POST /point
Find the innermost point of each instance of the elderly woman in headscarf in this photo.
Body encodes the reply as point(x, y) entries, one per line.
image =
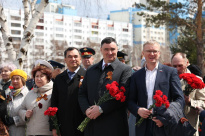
point(37, 102)
point(5, 70)
point(15, 95)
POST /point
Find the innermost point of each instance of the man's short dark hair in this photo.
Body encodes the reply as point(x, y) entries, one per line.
point(70, 49)
point(108, 40)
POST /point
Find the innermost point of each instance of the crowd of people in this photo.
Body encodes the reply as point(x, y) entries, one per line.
point(77, 90)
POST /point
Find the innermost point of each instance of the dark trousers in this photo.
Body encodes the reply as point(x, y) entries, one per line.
point(149, 128)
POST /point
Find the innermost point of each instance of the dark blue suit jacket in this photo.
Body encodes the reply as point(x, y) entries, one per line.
point(167, 80)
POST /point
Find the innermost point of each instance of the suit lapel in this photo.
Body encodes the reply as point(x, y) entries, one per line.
point(144, 88)
point(65, 77)
point(158, 77)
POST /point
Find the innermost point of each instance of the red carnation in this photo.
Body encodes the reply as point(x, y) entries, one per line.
point(108, 86)
point(114, 83)
point(40, 105)
point(193, 81)
point(159, 92)
point(122, 88)
point(51, 111)
point(167, 104)
point(164, 98)
point(117, 96)
point(113, 90)
point(159, 102)
point(11, 87)
point(123, 98)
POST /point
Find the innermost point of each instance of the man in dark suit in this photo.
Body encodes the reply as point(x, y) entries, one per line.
point(65, 95)
point(109, 118)
point(154, 76)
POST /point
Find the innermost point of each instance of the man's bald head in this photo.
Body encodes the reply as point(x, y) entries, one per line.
point(180, 62)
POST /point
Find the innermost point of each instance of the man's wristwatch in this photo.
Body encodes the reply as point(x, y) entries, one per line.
point(100, 110)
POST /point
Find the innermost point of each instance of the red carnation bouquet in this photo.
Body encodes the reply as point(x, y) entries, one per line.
point(160, 100)
point(114, 92)
point(51, 112)
point(193, 82)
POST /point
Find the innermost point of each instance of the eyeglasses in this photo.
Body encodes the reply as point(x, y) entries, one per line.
point(152, 51)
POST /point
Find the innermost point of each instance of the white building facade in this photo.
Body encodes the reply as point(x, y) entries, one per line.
point(65, 31)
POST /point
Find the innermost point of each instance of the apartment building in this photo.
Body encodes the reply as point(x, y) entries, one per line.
point(57, 30)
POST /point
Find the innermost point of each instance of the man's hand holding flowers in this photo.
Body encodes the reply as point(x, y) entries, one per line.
point(144, 113)
point(93, 112)
point(187, 100)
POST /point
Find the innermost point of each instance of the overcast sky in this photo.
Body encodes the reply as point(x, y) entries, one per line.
point(91, 8)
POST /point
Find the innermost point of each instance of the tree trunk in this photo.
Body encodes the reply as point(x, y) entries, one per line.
point(28, 34)
point(200, 46)
point(6, 38)
point(26, 14)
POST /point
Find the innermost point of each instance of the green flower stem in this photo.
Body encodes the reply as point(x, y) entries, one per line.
point(102, 99)
point(55, 123)
point(83, 124)
point(142, 119)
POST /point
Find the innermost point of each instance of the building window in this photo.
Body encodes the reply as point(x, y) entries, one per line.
point(77, 31)
point(15, 25)
point(40, 27)
point(41, 21)
point(110, 28)
point(125, 30)
point(78, 43)
point(16, 39)
point(95, 26)
point(59, 29)
point(77, 37)
point(78, 24)
point(39, 34)
point(58, 22)
point(15, 18)
point(59, 35)
point(94, 32)
point(39, 40)
point(111, 34)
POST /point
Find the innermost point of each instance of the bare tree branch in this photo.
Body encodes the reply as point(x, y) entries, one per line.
point(28, 34)
point(32, 4)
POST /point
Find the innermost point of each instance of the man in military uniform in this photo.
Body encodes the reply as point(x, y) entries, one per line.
point(87, 56)
point(121, 56)
point(58, 68)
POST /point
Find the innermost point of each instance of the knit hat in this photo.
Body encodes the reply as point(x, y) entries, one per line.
point(18, 72)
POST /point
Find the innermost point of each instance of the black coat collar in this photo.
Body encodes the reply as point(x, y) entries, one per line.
point(114, 64)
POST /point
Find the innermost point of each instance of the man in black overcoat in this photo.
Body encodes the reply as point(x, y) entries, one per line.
point(65, 95)
point(109, 118)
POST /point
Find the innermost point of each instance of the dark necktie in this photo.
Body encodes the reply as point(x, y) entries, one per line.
point(70, 74)
point(105, 65)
